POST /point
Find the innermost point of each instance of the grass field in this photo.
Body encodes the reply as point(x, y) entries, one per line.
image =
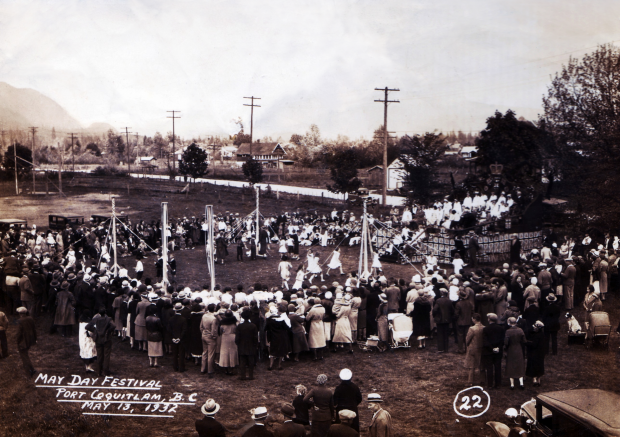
point(419, 387)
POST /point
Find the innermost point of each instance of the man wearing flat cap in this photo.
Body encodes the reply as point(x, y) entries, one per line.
point(289, 428)
point(345, 427)
point(208, 426)
point(26, 338)
point(381, 423)
point(347, 396)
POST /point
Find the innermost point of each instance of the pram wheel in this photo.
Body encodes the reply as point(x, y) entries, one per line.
point(382, 347)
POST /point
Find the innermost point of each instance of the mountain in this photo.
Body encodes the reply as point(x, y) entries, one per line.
point(23, 107)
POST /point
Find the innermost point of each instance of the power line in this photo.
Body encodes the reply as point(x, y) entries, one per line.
point(173, 117)
point(252, 118)
point(33, 129)
point(385, 102)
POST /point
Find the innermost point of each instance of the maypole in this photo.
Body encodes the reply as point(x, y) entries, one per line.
point(257, 212)
point(209, 244)
point(363, 262)
point(164, 242)
point(115, 266)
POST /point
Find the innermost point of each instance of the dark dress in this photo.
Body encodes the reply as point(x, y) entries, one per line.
point(132, 308)
point(421, 316)
point(300, 343)
point(302, 410)
point(535, 354)
point(347, 396)
point(195, 342)
point(278, 337)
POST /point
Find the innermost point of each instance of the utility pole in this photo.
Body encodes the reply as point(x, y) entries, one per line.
point(173, 138)
point(385, 102)
point(138, 148)
point(33, 130)
point(15, 164)
point(252, 119)
point(2, 133)
point(72, 153)
point(128, 155)
point(213, 156)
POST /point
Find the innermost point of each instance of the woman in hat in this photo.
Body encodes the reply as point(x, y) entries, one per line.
point(316, 332)
point(140, 322)
point(154, 335)
point(536, 352)
point(65, 313)
point(88, 349)
point(277, 329)
point(323, 411)
point(515, 363)
point(300, 344)
point(342, 331)
point(195, 335)
point(421, 316)
point(382, 320)
point(228, 349)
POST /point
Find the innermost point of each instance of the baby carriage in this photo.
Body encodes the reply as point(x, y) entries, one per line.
point(401, 328)
point(599, 329)
point(373, 343)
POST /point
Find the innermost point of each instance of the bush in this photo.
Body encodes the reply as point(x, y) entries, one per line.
point(109, 170)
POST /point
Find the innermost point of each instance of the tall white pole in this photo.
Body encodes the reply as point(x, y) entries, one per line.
point(115, 266)
point(164, 242)
point(363, 262)
point(210, 244)
point(257, 213)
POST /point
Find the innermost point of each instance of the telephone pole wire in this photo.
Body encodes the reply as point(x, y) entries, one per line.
point(173, 139)
point(128, 155)
point(252, 119)
point(72, 153)
point(34, 131)
point(385, 102)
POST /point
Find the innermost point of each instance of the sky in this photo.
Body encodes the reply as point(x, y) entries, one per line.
point(127, 62)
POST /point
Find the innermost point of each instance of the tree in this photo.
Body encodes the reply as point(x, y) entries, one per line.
point(582, 109)
point(194, 162)
point(253, 171)
point(344, 172)
point(420, 156)
point(23, 164)
point(296, 139)
point(518, 145)
point(94, 148)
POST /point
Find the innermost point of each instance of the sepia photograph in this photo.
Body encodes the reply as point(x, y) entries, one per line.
point(329, 218)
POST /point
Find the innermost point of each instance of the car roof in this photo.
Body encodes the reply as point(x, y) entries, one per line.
point(594, 408)
point(67, 215)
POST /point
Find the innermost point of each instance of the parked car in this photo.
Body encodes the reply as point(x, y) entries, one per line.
point(567, 413)
point(60, 221)
point(5, 224)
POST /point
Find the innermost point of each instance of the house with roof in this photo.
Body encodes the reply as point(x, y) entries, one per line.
point(453, 149)
point(469, 152)
point(268, 154)
point(396, 175)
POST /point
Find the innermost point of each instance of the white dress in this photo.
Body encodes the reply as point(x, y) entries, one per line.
point(285, 270)
point(335, 263)
point(299, 279)
point(313, 264)
point(283, 248)
point(376, 264)
point(88, 348)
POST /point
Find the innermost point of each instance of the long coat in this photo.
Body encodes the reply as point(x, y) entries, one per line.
point(381, 424)
point(515, 363)
point(65, 302)
point(316, 333)
point(300, 344)
point(278, 336)
point(247, 338)
point(421, 316)
point(535, 354)
point(195, 335)
point(474, 346)
point(342, 332)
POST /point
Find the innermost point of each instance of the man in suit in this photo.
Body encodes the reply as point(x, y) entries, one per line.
point(208, 426)
point(26, 338)
point(289, 428)
point(381, 423)
point(102, 328)
point(345, 427)
point(492, 351)
point(443, 313)
point(568, 284)
point(247, 345)
point(259, 415)
point(208, 327)
point(393, 295)
point(347, 396)
point(177, 326)
point(473, 249)
point(463, 311)
point(26, 292)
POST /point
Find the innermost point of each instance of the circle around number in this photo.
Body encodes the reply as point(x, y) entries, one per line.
point(458, 395)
